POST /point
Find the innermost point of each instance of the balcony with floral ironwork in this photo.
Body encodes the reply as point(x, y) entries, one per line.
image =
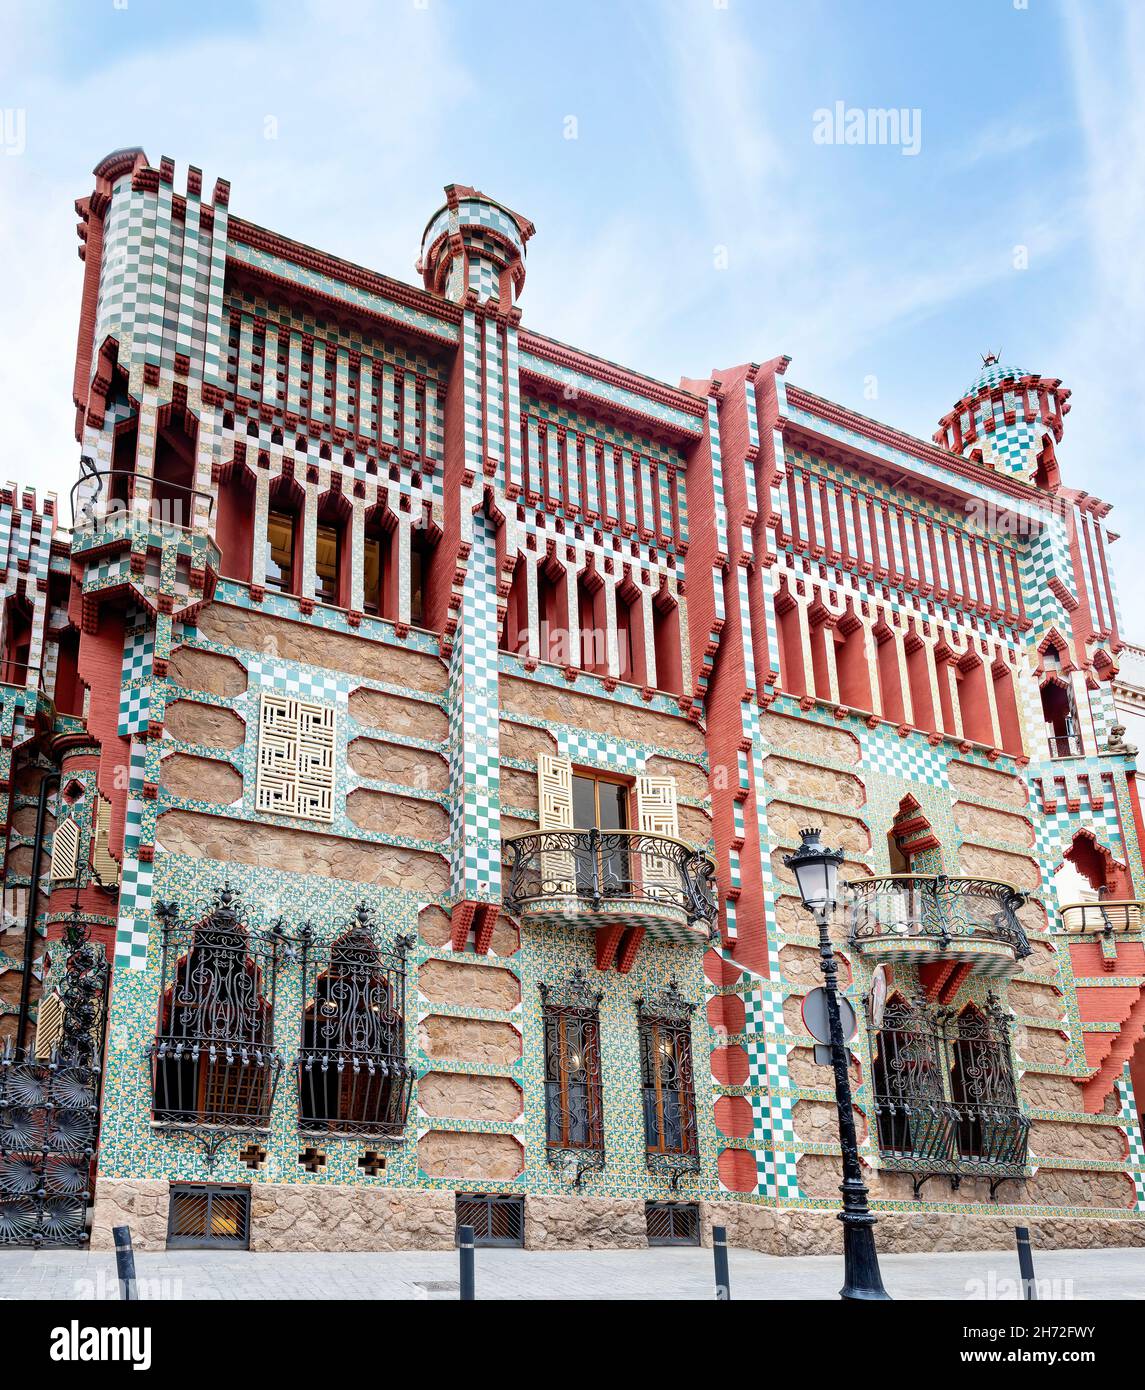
point(920, 918)
point(602, 878)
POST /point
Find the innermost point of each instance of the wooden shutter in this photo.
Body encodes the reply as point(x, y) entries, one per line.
point(49, 1025)
point(65, 851)
point(105, 866)
point(554, 787)
point(656, 815)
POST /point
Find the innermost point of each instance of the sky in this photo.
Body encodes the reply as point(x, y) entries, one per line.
point(690, 213)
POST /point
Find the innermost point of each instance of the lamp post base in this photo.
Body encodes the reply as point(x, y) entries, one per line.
point(862, 1281)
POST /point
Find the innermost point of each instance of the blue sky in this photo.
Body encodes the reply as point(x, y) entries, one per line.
point(693, 222)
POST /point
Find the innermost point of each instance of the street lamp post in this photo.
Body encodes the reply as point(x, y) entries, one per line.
point(816, 872)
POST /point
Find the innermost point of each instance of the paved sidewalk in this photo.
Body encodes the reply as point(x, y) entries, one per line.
point(581, 1274)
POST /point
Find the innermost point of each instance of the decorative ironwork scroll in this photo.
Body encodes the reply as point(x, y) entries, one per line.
point(670, 1133)
point(49, 1110)
point(353, 1076)
point(938, 908)
point(945, 1102)
point(607, 868)
point(213, 1058)
point(574, 1111)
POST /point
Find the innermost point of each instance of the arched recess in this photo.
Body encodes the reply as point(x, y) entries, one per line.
point(379, 561)
point(173, 477)
point(17, 639)
point(1059, 710)
point(284, 527)
point(630, 631)
point(68, 694)
point(981, 1081)
point(515, 628)
point(1095, 862)
point(1047, 474)
point(973, 704)
point(918, 678)
point(553, 612)
point(592, 620)
point(890, 682)
point(667, 639)
point(852, 669)
point(427, 576)
point(332, 550)
point(1006, 704)
point(234, 521)
point(792, 675)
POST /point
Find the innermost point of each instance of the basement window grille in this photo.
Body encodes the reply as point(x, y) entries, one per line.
point(209, 1217)
point(672, 1223)
point(497, 1220)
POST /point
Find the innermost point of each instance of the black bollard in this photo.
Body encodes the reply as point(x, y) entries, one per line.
point(720, 1255)
point(465, 1245)
point(1026, 1263)
point(125, 1262)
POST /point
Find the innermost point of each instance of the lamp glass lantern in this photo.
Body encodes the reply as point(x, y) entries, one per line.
point(816, 870)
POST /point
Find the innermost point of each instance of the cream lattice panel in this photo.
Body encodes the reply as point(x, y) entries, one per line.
point(49, 1025)
point(295, 758)
point(656, 815)
point(65, 851)
point(554, 784)
point(102, 860)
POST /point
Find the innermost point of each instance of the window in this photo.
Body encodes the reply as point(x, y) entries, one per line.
point(280, 546)
point(420, 552)
point(331, 551)
point(17, 641)
point(496, 1220)
point(353, 1077)
point(327, 558)
point(213, 1058)
point(672, 1223)
point(573, 1102)
point(378, 589)
point(665, 1032)
point(1060, 713)
point(602, 803)
point(208, 1216)
point(944, 1090)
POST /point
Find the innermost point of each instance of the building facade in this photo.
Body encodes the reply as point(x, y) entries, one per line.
point(423, 710)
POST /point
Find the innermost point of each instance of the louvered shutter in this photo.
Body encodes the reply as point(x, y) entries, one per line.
point(554, 778)
point(656, 816)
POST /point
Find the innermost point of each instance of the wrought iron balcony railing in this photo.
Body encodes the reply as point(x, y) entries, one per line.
point(943, 1138)
point(936, 917)
point(1105, 916)
point(115, 501)
point(599, 877)
point(1064, 745)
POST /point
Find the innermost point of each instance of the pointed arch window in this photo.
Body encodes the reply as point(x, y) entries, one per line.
point(213, 1059)
point(353, 1076)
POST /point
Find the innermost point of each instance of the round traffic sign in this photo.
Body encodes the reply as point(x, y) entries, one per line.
point(815, 1016)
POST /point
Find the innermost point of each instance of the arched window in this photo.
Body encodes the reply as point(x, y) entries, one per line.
point(421, 549)
point(912, 1116)
point(17, 640)
point(515, 628)
point(353, 1077)
point(553, 613)
point(667, 638)
point(1063, 734)
point(284, 536)
point(332, 551)
point(574, 1112)
point(982, 1085)
point(379, 574)
point(592, 622)
point(213, 1058)
point(174, 472)
point(666, 1078)
point(630, 633)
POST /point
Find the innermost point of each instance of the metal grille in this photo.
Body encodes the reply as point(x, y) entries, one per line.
point(945, 1100)
point(213, 1058)
point(669, 1098)
point(209, 1218)
point(353, 1076)
point(497, 1220)
point(672, 1223)
point(574, 1112)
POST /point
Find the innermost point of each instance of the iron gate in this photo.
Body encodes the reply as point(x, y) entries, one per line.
point(49, 1110)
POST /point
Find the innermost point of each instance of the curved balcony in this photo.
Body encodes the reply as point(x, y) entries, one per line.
point(595, 878)
point(1104, 917)
point(918, 918)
